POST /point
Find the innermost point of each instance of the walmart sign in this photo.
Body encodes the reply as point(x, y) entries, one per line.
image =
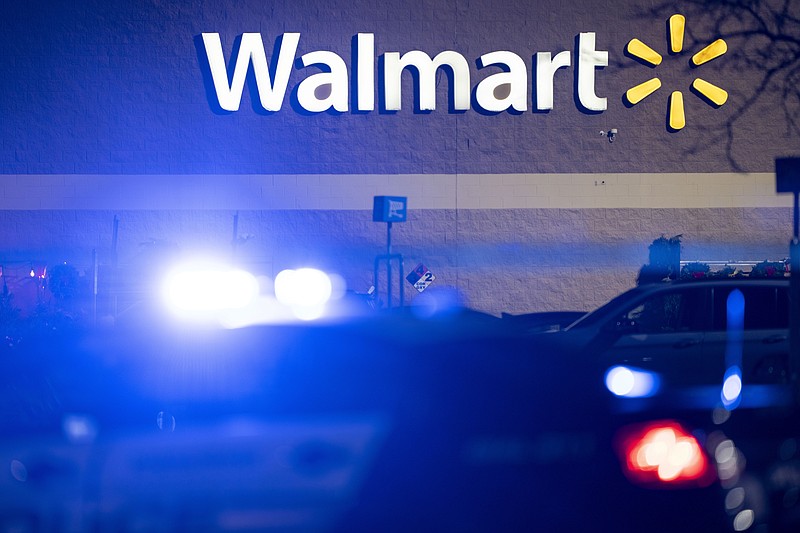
point(335, 77)
point(513, 78)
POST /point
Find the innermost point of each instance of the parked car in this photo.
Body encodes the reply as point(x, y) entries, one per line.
point(691, 332)
point(713, 354)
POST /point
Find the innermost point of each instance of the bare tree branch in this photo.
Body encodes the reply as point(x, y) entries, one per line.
point(765, 37)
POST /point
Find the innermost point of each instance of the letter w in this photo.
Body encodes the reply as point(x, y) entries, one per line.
point(251, 49)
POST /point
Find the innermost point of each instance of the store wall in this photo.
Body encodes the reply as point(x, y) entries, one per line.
point(109, 110)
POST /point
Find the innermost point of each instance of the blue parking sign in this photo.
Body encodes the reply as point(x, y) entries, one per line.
point(389, 209)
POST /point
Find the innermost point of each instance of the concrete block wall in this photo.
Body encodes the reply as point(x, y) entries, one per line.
point(501, 260)
point(121, 88)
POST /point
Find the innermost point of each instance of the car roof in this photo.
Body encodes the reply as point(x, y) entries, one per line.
point(651, 288)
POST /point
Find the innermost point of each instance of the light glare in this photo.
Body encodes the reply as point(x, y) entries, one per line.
point(663, 452)
point(305, 291)
point(744, 519)
point(732, 387)
point(670, 454)
point(197, 291)
point(631, 383)
point(735, 498)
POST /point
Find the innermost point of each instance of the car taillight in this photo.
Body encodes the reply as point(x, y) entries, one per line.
point(663, 454)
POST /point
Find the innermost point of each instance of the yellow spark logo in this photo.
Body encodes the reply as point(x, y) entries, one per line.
point(714, 94)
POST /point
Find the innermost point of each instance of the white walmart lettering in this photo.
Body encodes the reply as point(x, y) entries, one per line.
point(272, 92)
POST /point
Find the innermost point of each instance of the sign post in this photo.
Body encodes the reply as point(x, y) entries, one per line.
point(787, 177)
point(389, 209)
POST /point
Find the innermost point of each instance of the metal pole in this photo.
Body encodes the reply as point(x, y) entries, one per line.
point(787, 179)
point(94, 286)
point(114, 239)
point(400, 282)
point(114, 271)
point(235, 238)
point(389, 264)
point(794, 299)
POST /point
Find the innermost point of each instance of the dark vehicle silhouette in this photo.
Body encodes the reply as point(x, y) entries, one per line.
point(715, 355)
point(389, 424)
point(681, 331)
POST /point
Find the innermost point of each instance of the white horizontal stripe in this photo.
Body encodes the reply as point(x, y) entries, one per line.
point(355, 191)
